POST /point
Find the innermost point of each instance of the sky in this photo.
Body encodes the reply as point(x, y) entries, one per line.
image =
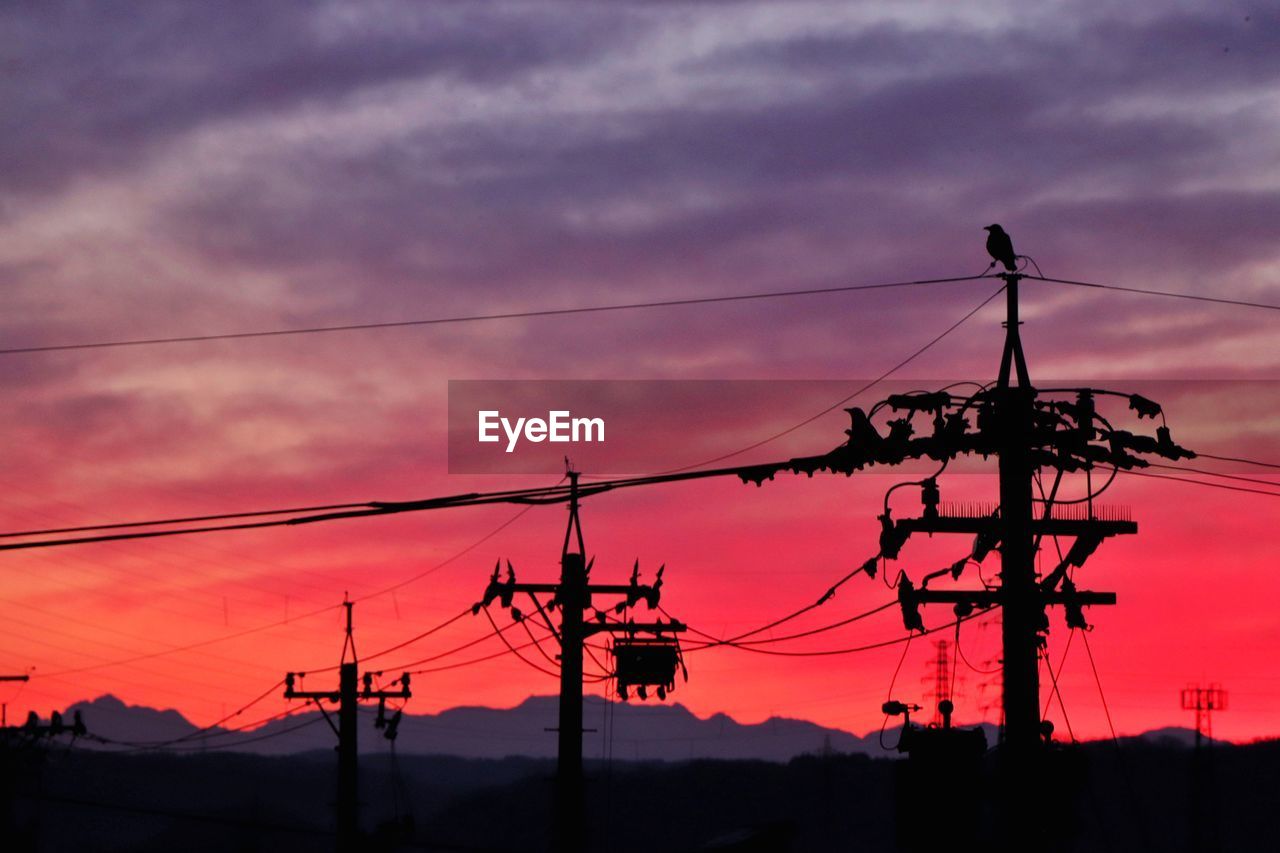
point(189, 169)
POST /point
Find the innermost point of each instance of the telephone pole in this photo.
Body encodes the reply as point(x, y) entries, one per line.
point(4, 708)
point(1028, 431)
point(640, 663)
point(1023, 611)
point(348, 697)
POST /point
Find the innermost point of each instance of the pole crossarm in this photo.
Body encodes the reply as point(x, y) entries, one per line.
point(985, 598)
point(651, 661)
point(352, 690)
point(1040, 526)
point(672, 627)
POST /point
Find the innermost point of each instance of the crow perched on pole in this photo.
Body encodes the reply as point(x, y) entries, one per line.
point(1000, 247)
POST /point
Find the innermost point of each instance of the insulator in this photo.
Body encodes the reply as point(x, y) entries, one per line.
point(1144, 407)
point(892, 538)
point(911, 619)
point(930, 497)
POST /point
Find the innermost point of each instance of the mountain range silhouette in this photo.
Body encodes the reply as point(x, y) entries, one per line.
point(641, 732)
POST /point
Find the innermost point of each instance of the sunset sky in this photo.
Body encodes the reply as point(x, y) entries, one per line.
point(188, 169)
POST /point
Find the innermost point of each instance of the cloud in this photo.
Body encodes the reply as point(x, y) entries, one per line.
point(192, 168)
point(93, 88)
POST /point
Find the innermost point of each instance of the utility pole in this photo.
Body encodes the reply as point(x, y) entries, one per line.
point(1028, 431)
point(573, 597)
point(33, 728)
point(1021, 594)
point(20, 767)
point(639, 663)
point(4, 709)
point(1023, 611)
point(348, 697)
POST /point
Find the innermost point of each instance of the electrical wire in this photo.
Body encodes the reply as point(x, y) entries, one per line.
point(385, 590)
point(1106, 709)
point(199, 739)
point(1194, 482)
point(400, 645)
point(889, 696)
point(532, 496)
point(360, 509)
point(826, 596)
point(1239, 460)
point(52, 531)
point(516, 651)
point(242, 743)
point(1053, 678)
point(852, 650)
point(475, 318)
point(524, 623)
point(1208, 473)
point(470, 662)
point(1115, 740)
point(867, 387)
point(713, 641)
point(188, 647)
point(209, 728)
point(439, 655)
point(961, 656)
point(1167, 293)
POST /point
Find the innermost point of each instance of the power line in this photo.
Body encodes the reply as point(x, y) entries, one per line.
point(469, 662)
point(852, 650)
point(532, 496)
point(400, 645)
point(191, 519)
point(1208, 473)
point(739, 642)
point(516, 651)
point(226, 637)
point(1167, 293)
point(874, 382)
point(826, 596)
point(476, 318)
point(544, 495)
point(209, 728)
point(1240, 460)
point(453, 651)
point(1195, 482)
point(203, 734)
point(812, 631)
point(240, 743)
point(1106, 709)
point(188, 647)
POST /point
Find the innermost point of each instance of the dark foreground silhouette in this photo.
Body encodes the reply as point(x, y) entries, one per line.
point(1136, 798)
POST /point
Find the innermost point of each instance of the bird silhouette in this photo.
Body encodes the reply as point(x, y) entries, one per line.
point(1000, 247)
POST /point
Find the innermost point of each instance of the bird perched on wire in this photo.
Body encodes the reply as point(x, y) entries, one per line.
point(1000, 247)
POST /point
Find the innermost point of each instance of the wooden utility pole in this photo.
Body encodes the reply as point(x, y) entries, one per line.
point(1027, 430)
point(4, 709)
point(640, 663)
point(348, 697)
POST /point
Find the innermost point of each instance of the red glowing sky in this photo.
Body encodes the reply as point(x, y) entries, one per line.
point(312, 166)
